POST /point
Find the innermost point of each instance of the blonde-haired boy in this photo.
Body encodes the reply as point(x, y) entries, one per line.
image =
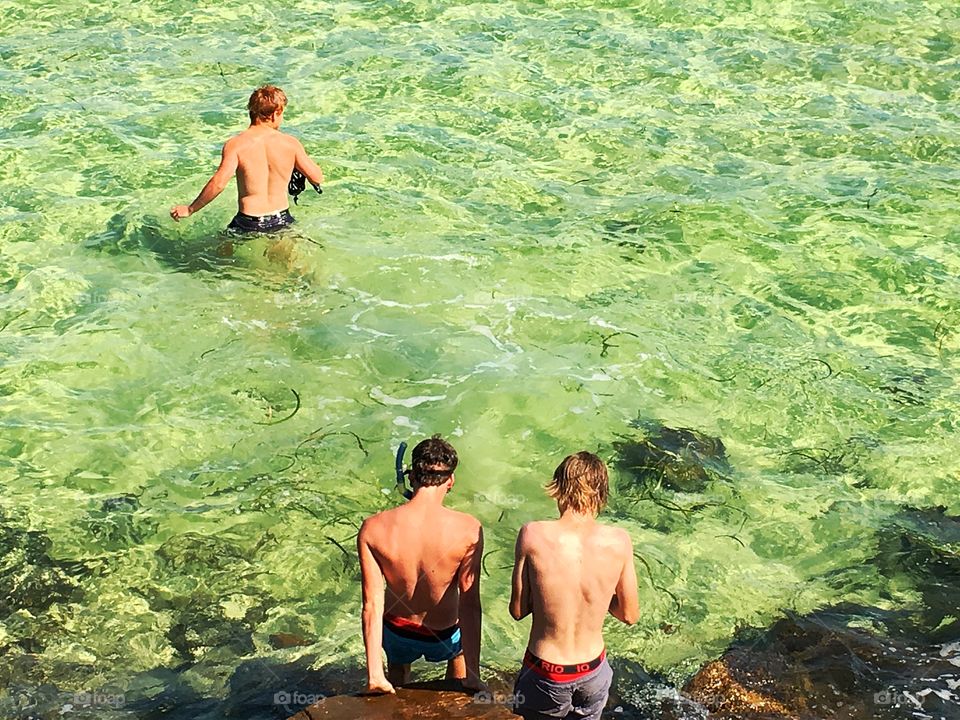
point(569, 573)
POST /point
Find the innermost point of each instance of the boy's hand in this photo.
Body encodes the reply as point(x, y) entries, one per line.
point(474, 684)
point(178, 212)
point(379, 687)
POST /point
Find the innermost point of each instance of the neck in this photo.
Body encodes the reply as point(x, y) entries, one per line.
point(572, 516)
point(432, 495)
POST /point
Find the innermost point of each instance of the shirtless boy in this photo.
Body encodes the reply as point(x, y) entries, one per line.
point(263, 159)
point(570, 573)
point(420, 565)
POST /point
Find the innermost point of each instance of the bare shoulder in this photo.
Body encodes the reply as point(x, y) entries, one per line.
point(532, 531)
point(465, 522)
point(288, 139)
point(235, 142)
point(615, 537)
point(370, 527)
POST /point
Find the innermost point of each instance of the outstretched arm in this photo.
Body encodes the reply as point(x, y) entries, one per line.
point(470, 610)
point(520, 605)
point(625, 604)
point(215, 185)
point(308, 167)
point(372, 614)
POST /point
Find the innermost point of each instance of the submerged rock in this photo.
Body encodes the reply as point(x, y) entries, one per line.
point(680, 459)
point(845, 662)
point(30, 579)
point(923, 546)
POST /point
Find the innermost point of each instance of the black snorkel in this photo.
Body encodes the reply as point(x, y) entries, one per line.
point(401, 472)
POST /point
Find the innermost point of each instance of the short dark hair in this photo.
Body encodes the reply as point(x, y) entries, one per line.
point(264, 102)
point(433, 462)
point(580, 483)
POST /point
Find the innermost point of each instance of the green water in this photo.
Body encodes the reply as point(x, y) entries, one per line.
point(543, 222)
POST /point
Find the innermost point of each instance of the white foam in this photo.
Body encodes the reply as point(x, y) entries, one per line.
point(378, 394)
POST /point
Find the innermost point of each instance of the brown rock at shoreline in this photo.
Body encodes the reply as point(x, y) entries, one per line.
point(423, 701)
point(722, 694)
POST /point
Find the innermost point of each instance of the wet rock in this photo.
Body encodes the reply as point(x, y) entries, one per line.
point(719, 691)
point(201, 553)
point(844, 662)
point(281, 640)
point(201, 632)
point(680, 459)
point(422, 701)
point(639, 695)
point(116, 524)
point(923, 547)
point(843, 457)
point(29, 578)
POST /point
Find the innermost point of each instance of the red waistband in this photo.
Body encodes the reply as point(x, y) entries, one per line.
point(561, 673)
point(407, 627)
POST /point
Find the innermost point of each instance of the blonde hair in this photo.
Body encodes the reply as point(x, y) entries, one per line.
point(580, 483)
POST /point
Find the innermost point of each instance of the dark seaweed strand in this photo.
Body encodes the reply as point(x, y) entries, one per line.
point(293, 461)
point(483, 562)
point(653, 582)
point(221, 347)
point(604, 339)
point(337, 543)
point(295, 411)
point(732, 537)
point(306, 510)
point(340, 519)
point(942, 335)
point(313, 436)
point(826, 365)
point(18, 315)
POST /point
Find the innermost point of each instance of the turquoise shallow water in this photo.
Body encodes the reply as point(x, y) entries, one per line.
point(543, 224)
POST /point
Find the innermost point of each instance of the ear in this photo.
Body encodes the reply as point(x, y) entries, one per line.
point(451, 481)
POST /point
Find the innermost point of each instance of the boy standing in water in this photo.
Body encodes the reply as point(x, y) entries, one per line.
point(420, 567)
point(263, 159)
point(570, 573)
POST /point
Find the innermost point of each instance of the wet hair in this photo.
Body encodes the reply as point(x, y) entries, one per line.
point(580, 483)
point(264, 102)
point(432, 463)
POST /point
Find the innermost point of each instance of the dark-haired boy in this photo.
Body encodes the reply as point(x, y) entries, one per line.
point(570, 573)
point(263, 159)
point(420, 567)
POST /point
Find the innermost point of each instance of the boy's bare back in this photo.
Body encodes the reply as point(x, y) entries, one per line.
point(425, 553)
point(569, 573)
point(420, 574)
point(265, 160)
point(570, 569)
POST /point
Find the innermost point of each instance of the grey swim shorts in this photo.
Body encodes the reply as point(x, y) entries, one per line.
point(544, 690)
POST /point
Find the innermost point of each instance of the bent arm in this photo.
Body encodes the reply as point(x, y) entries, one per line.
point(372, 615)
point(520, 605)
point(215, 185)
point(470, 610)
point(308, 167)
point(625, 604)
